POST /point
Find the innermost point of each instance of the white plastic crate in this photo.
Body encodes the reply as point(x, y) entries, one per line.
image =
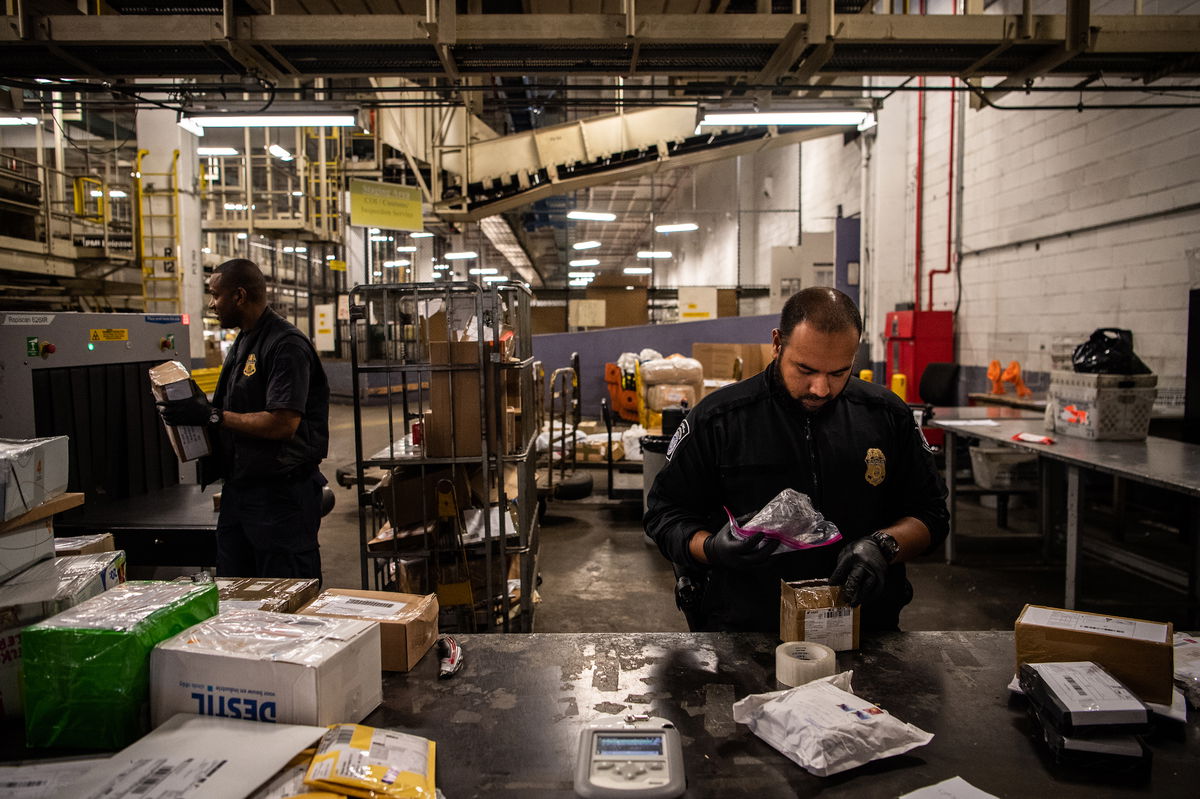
point(1108, 407)
point(1004, 468)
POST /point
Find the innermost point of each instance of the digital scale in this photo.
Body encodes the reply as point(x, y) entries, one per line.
point(641, 758)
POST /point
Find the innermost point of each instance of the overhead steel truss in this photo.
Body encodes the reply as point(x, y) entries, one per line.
point(757, 48)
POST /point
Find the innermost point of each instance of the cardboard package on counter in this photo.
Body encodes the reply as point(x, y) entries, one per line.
point(29, 538)
point(38, 593)
point(171, 381)
point(1138, 653)
point(24, 546)
point(813, 611)
point(86, 678)
point(32, 471)
point(194, 757)
point(270, 667)
point(408, 622)
point(84, 544)
point(280, 595)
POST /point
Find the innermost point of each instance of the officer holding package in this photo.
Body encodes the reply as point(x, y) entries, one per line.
point(269, 423)
point(803, 423)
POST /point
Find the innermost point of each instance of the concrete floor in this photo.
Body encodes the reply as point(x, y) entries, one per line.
point(600, 575)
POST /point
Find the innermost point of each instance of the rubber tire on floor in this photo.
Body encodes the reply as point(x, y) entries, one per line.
point(575, 485)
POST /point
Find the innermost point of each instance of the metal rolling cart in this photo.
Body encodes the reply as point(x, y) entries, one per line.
point(454, 511)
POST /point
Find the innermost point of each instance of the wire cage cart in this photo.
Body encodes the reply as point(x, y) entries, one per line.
point(448, 503)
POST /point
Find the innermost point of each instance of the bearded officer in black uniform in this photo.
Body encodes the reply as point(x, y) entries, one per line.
point(803, 423)
point(269, 423)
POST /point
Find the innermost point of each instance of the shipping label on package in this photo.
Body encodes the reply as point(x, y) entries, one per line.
point(833, 627)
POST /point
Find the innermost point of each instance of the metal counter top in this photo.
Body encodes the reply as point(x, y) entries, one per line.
point(1163, 462)
point(507, 725)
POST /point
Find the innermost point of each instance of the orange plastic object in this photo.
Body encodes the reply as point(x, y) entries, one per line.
point(994, 374)
point(624, 400)
point(1013, 375)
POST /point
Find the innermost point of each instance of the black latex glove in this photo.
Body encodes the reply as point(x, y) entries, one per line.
point(195, 410)
point(731, 551)
point(861, 569)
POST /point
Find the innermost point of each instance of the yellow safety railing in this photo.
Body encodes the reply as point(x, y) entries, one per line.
point(158, 235)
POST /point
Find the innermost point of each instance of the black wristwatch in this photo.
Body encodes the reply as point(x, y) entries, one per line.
point(215, 416)
point(889, 545)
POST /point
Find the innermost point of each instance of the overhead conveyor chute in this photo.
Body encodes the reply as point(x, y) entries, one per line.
point(499, 174)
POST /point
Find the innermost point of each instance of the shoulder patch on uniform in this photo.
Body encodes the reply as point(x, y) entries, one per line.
point(680, 435)
point(924, 441)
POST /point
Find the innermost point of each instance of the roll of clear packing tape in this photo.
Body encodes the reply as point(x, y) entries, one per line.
point(799, 662)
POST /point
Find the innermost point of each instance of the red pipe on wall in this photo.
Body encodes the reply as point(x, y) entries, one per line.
point(949, 199)
point(920, 189)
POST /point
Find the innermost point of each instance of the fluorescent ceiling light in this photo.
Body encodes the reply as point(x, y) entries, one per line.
point(269, 121)
point(394, 264)
point(439, 267)
point(585, 262)
point(377, 274)
point(585, 245)
point(374, 230)
point(381, 238)
point(117, 193)
point(460, 256)
point(297, 194)
point(330, 257)
point(495, 279)
point(18, 120)
point(483, 270)
point(638, 270)
point(724, 119)
point(681, 227)
point(301, 249)
point(289, 249)
point(96, 193)
point(592, 216)
point(280, 153)
point(653, 254)
point(583, 281)
point(243, 236)
point(210, 151)
point(629, 288)
point(406, 248)
point(577, 275)
point(420, 234)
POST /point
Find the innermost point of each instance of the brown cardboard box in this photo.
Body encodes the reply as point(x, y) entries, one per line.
point(1138, 653)
point(169, 381)
point(813, 610)
point(454, 395)
point(407, 540)
point(409, 496)
point(718, 359)
point(83, 545)
point(281, 595)
point(408, 623)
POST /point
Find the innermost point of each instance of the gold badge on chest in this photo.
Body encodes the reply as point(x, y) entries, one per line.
point(249, 369)
point(876, 466)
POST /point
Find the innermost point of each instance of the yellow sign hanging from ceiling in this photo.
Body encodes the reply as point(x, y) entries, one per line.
point(109, 334)
point(337, 265)
point(385, 205)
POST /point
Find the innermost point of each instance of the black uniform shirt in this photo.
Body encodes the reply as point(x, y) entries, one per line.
point(271, 367)
point(861, 459)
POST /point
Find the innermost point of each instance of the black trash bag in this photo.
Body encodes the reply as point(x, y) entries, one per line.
point(1109, 352)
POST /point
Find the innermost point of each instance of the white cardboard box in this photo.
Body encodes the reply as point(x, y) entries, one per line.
point(40, 592)
point(25, 546)
point(193, 757)
point(272, 667)
point(34, 470)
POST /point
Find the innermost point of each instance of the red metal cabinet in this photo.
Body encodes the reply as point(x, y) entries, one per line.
point(915, 339)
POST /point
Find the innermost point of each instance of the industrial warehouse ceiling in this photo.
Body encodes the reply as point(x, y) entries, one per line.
point(762, 43)
point(522, 65)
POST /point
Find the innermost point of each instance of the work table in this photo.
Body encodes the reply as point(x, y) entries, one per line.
point(507, 724)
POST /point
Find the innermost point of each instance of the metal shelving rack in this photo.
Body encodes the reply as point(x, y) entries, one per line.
point(453, 364)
